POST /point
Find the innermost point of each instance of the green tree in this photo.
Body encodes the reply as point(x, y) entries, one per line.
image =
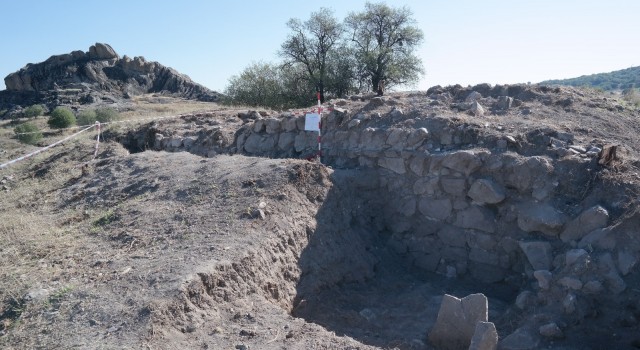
point(384, 40)
point(342, 77)
point(28, 133)
point(311, 43)
point(260, 84)
point(61, 117)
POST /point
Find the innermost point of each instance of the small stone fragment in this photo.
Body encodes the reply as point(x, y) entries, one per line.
point(543, 277)
point(524, 299)
point(570, 283)
point(521, 339)
point(551, 330)
point(569, 304)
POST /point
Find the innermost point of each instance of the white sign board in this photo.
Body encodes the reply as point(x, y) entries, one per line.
point(312, 122)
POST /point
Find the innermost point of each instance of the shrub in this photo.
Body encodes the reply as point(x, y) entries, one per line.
point(631, 95)
point(34, 135)
point(61, 117)
point(86, 117)
point(104, 115)
point(33, 111)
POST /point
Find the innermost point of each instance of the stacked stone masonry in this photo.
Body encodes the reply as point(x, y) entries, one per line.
point(457, 207)
point(458, 203)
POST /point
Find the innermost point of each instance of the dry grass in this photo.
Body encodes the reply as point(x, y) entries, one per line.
point(36, 238)
point(146, 106)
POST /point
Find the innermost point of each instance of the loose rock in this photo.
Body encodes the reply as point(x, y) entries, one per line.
point(539, 254)
point(457, 319)
point(551, 330)
point(521, 339)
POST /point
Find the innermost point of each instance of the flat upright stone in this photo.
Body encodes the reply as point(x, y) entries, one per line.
point(457, 319)
point(477, 109)
point(485, 337)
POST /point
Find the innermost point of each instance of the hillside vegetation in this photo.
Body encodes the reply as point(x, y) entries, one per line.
point(616, 80)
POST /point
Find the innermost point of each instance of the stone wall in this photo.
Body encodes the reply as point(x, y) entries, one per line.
point(460, 204)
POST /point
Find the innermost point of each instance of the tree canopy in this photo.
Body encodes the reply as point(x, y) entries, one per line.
point(311, 43)
point(384, 42)
point(367, 50)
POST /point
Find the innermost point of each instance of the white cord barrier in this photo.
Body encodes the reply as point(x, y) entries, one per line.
point(47, 147)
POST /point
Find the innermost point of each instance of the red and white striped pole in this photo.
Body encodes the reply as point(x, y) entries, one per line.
point(319, 130)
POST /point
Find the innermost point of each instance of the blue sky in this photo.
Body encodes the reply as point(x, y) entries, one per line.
point(466, 42)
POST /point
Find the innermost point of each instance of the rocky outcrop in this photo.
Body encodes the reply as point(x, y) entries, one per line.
point(100, 74)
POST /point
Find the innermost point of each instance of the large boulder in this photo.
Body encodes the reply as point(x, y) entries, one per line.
point(540, 218)
point(101, 51)
point(588, 221)
point(457, 320)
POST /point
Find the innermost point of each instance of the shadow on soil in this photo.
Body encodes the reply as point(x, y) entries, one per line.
point(354, 285)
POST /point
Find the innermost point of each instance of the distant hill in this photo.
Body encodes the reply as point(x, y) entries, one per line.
point(616, 80)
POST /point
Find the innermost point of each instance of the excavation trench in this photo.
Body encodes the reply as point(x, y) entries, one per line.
point(353, 282)
point(339, 268)
point(410, 215)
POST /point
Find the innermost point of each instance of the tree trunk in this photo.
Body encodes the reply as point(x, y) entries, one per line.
point(378, 85)
point(321, 91)
point(374, 83)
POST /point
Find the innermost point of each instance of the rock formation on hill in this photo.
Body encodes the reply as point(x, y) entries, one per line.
point(94, 76)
